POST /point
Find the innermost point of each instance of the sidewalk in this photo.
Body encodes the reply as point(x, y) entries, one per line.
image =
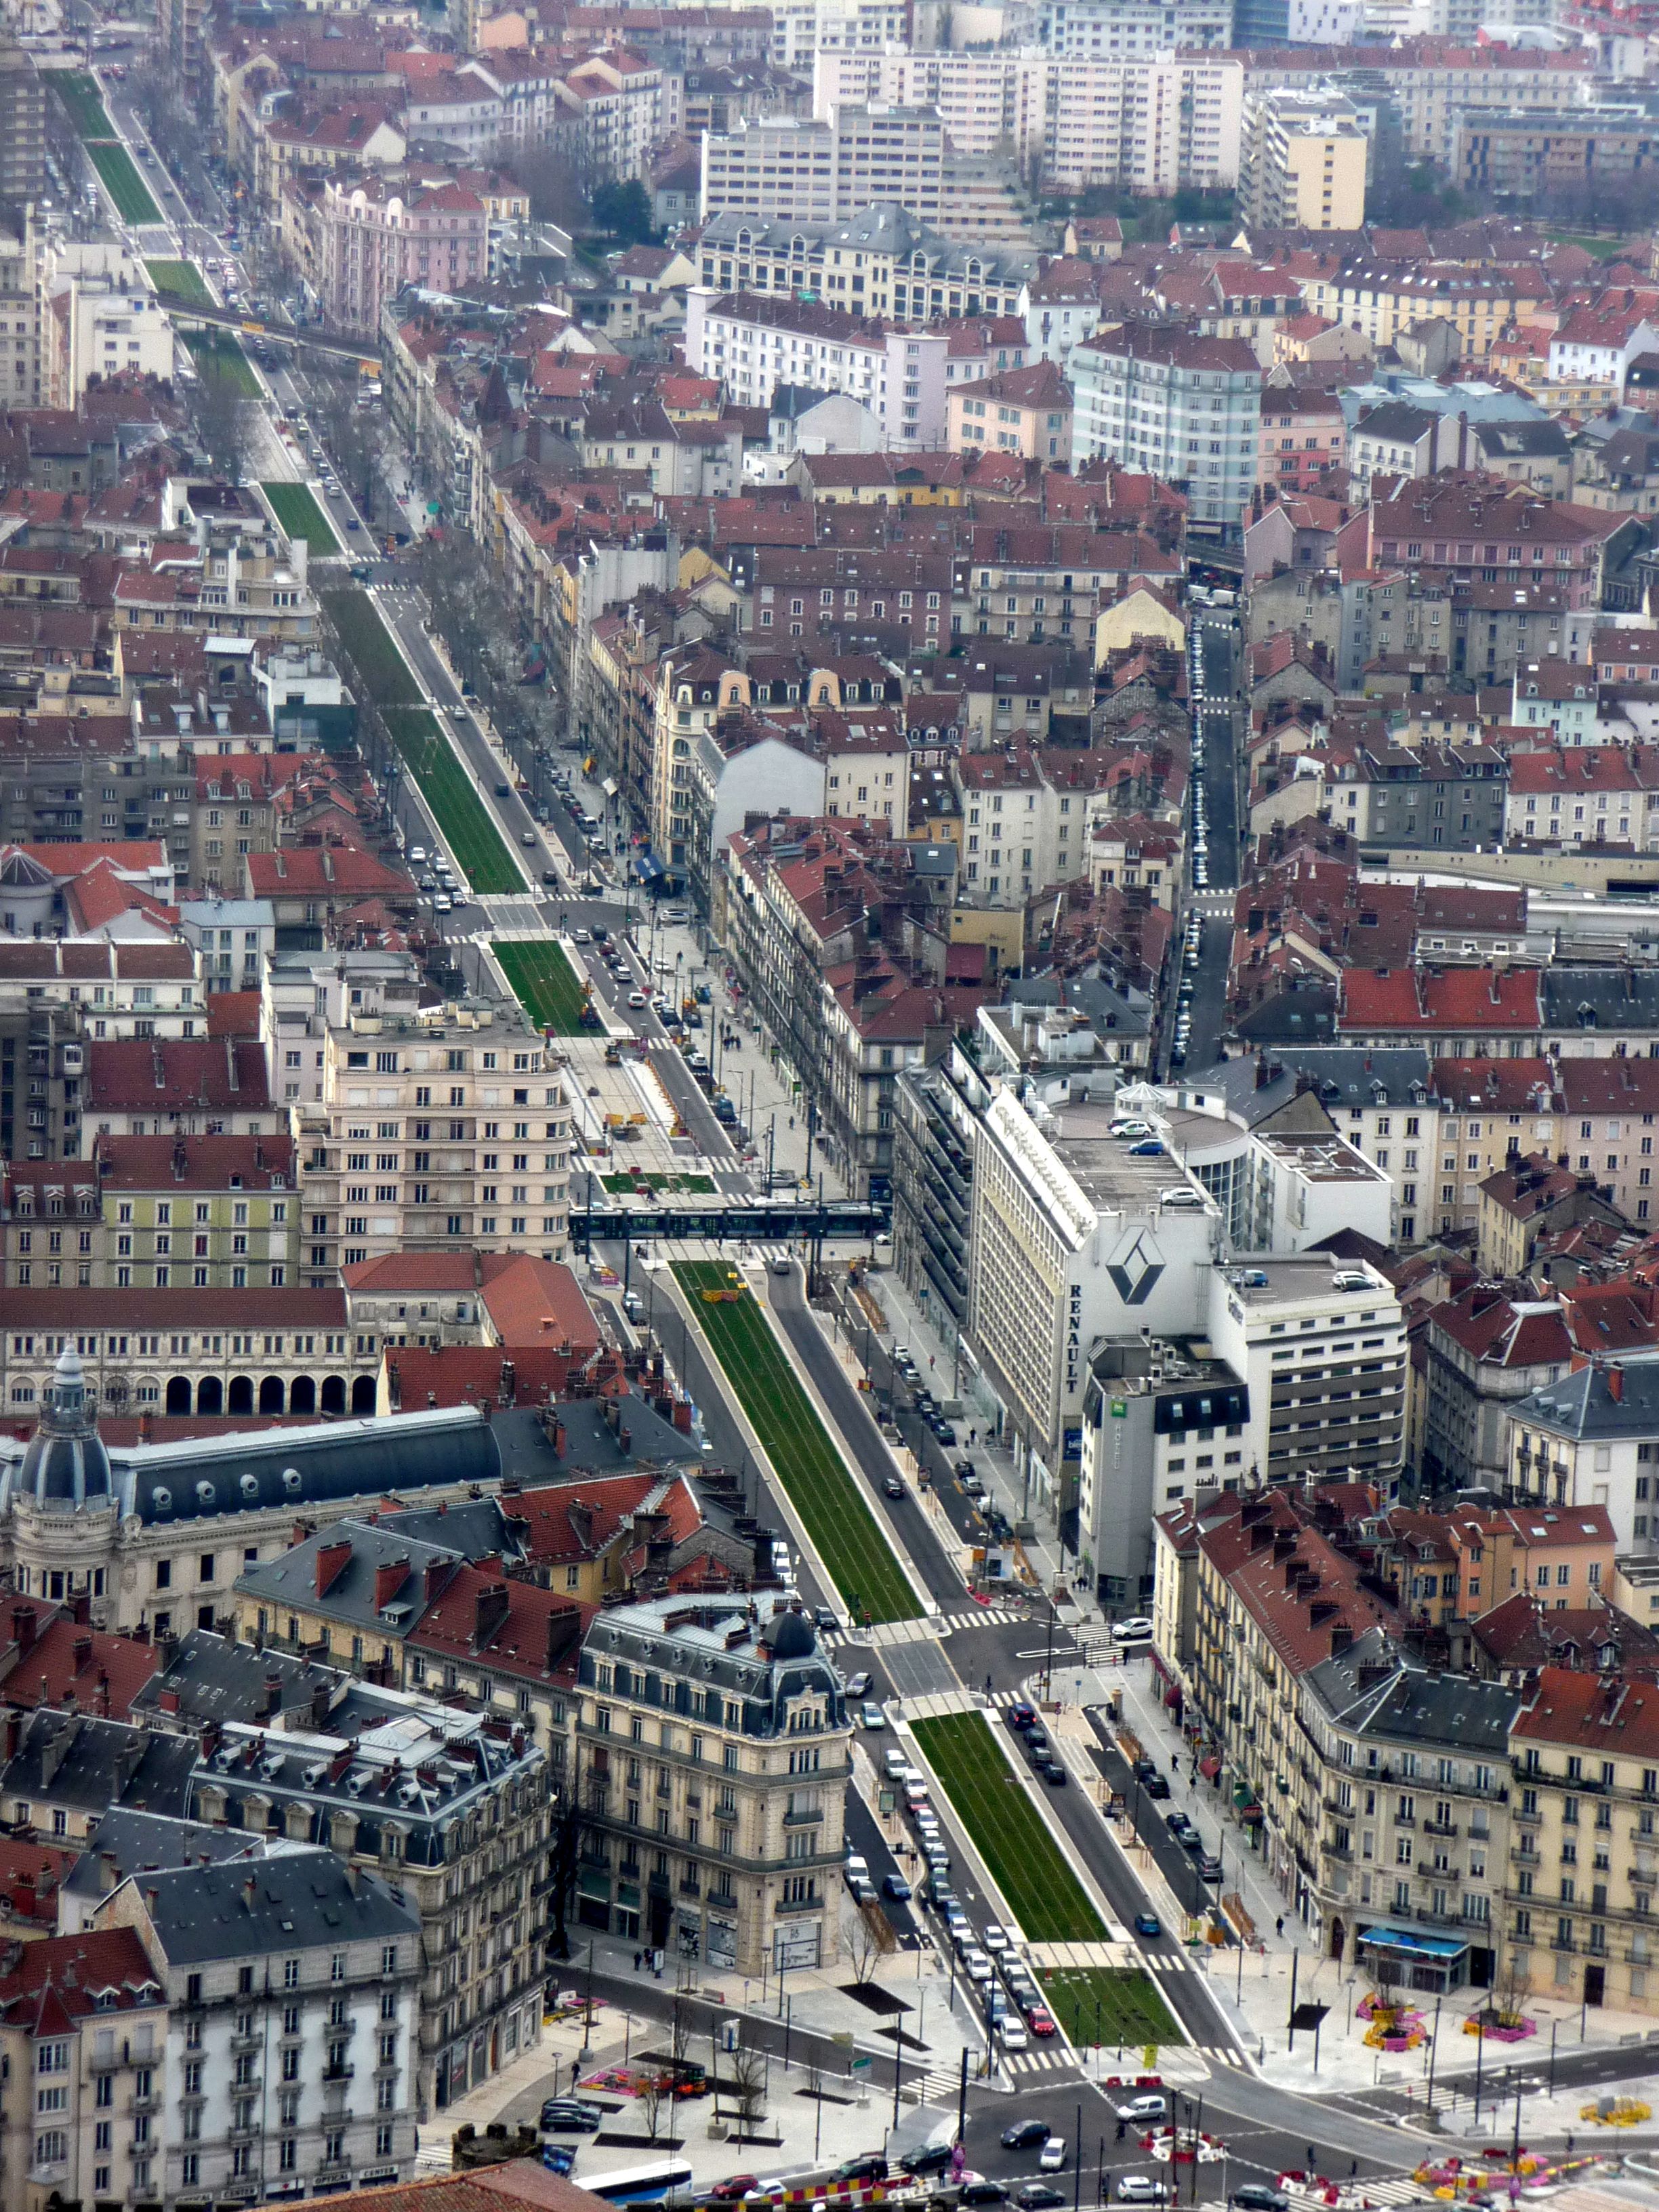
point(909, 1328)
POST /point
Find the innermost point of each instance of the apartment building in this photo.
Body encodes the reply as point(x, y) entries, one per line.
point(1147, 124)
point(1141, 26)
point(446, 1129)
point(374, 233)
point(83, 2033)
point(1431, 83)
point(1414, 1836)
point(291, 1986)
point(881, 260)
point(1186, 409)
point(1584, 1815)
point(1321, 1346)
point(825, 170)
point(1591, 1438)
point(99, 319)
point(712, 1750)
point(1301, 162)
point(754, 344)
point(1591, 148)
point(1385, 299)
point(1072, 1238)
point(23, 175)
point(20, 311)
point(226, 1207)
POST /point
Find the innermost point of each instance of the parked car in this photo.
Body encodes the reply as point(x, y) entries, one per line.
point(569, 2116)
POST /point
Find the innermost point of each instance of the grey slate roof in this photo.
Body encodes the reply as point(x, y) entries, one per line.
point(214, 1678)
point(1412, 1707)
point(882, 227)
point(124, 1843)
point(248, 1470)
point(1600, 998)
point(476, 1527)
point(290, 1581)
point(1582, 1404)
point(72, 1760)
point(694, 1648)
point(1343, 1076)
point(1126, 1012)
point(296, 1901)
point(1396, 420)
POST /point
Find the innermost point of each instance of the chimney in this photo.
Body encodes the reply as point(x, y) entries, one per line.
point(332, 1561)
point(82, 1652)
point(273, 1697)
point(22, 1627)
point(389, 1578)
point(492, 1605)
point(1616, 1384)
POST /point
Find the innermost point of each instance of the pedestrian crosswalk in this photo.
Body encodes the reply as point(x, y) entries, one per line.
point(1059, 2061)
point(1356, 2195)
point(981, 1616)
point(1166, 1962)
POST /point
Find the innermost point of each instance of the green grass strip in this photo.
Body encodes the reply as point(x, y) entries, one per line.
point(995, 1808)
point(126, 186)
point(544, 983)
point(1108, 2004)
point(689, 1186)
point(294, 506)
point(182, 279)
point(83, 103)
point(823, 1491)
point(480, 851)
point(480, 854)
point(373, 647)
point(219, 359)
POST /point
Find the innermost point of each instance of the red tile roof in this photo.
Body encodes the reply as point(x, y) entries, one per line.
point(1618, 1717)
point(67, 1664)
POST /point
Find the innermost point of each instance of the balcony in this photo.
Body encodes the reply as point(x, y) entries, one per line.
point(1440, 1828)
point(805, 1818)
point(338, 2073)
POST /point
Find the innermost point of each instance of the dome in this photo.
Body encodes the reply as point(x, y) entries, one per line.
point(66, 1463)
point(21, 870)
point(794, 1636)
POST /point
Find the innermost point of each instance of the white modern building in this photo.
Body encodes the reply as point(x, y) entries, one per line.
point(811, 169)
point(753, 344)
point(1320, 1344)
point(1146, 123)
point(1131, 26)
point(1074, 1238)
point(1183, 407)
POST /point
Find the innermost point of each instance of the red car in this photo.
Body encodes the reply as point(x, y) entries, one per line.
point(734, 2190)
point(1039, 2021)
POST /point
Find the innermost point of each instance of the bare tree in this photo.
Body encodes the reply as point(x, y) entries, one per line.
point(224, 418)
point(550, 180)
point(870, 1940)
point(749, 2085)
point(650, 2094)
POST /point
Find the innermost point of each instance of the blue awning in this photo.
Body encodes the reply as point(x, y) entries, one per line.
point(648, 868)
point(1403, 1938)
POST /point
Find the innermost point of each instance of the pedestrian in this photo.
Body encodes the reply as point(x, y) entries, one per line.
point(1569, 2143)
point(1278, 1925)
point(1175, 1764)
point(1312, 2165)
point(636, 1962)
point(973, 1435)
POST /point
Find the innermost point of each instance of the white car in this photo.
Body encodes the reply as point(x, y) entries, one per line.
point(976, 1965)
point(1013, 2035)
point(1142, 2188)
point(996, 1939)
point(1052, 2157)
point(1136, 1630)
point(1130, 1128)
point(1143, 2108)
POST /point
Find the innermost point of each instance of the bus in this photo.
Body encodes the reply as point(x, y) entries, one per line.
point(641, 2184)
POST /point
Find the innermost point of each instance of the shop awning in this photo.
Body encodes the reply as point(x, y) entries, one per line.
point(648, 868)
point(1172, 1694)
point(1405, 1939)
point(1209, 1768)
point(610, 786)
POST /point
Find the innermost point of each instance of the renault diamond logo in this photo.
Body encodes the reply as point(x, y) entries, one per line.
point(1134, 1268)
